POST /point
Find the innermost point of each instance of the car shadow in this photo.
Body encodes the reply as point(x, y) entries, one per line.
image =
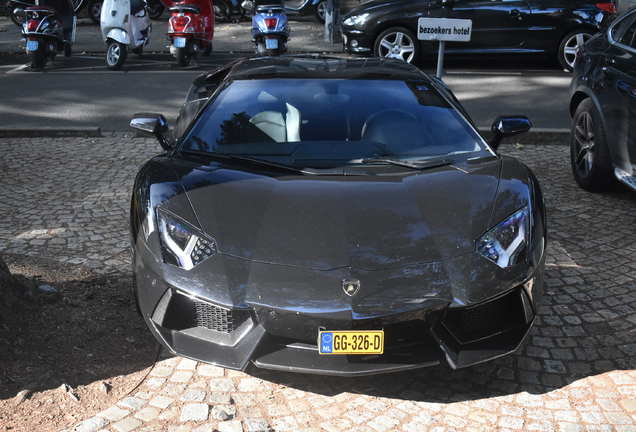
point(90, 331)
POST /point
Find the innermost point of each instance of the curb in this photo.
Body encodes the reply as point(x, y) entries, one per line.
point(50, 132)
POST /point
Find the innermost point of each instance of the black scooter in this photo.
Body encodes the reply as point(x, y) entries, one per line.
point(48, 27)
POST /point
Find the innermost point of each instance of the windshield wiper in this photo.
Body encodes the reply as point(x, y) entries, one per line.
point(256, 161)
point(412, 165)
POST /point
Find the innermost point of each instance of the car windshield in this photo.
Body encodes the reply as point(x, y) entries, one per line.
point(331, 122)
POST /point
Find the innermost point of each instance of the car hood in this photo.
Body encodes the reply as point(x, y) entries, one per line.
point(390, 219)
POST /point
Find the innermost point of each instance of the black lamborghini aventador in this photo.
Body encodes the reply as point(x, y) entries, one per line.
point(334, 216)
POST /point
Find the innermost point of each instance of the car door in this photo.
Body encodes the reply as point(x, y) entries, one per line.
point(497, 24)
point(619, 85)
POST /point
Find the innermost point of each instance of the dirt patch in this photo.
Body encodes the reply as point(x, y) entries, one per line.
point(87, 338)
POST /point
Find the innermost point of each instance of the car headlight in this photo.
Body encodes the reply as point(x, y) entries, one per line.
point(506, 244)
point(183, 245)
point(356, 20)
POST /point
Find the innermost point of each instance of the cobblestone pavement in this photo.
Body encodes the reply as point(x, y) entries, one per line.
point(575, 374)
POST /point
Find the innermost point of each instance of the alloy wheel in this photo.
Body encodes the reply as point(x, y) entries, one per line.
point(572, 46)
point(397, 45)
point(96, 10)
point(584, 143)
point(113, 54)
point(321, 10)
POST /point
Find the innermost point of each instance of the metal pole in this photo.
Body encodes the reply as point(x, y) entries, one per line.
point(440, 59)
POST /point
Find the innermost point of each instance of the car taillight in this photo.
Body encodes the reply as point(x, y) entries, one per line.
point(179, 23)
point(32, 25)
point(608, 7)
point(271, 23)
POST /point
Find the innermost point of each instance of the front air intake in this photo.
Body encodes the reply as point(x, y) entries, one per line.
point(216, 318)
point(180, 311)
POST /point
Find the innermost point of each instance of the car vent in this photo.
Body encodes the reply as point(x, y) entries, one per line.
point(487, 319)
point(216, 318)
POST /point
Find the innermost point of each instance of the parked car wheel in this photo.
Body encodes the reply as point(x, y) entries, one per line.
point(95, 10)
point(398, 43)
point(115, 55)
point(589, 154)
point(155, 9)
point(321, 11)
point(221, 11)
point(568, 49)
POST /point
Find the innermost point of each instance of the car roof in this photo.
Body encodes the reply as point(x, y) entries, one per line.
point(325, 67)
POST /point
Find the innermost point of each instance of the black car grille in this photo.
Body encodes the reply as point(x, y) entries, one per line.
point(177, 311)
point(216, 318)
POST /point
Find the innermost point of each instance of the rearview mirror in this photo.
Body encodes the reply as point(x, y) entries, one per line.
point(504, 127)
point(19, 14)
point(153, 124)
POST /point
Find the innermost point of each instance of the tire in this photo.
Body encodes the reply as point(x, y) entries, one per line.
point(68, 50)
point(567, 53)
point(138, 51)
point(320, 11)
point(94, 9)
point(116, 54)
point(155, 9)
point(183, 56)
point(208, 50)
point(394, 42)
point(38, 57)
point(222, 11)
point(589, 154)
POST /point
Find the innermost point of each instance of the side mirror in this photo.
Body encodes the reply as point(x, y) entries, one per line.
point(19, 15)
point(153, 124)
point(504, 127)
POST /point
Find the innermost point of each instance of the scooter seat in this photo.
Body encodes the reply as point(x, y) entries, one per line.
point(185, 8)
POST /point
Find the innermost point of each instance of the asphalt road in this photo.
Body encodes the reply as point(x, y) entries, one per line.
point(80, 91)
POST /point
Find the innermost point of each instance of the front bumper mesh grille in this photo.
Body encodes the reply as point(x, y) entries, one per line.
point(180, 311)
point(216, 318)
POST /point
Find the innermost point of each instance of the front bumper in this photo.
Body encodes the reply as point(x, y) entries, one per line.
point(356, 42)
point(194, 327)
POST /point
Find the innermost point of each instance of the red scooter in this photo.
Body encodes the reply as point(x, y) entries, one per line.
point(190, 29)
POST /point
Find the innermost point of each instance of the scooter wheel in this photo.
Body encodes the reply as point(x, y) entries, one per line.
point(183, 56)
point(68, 50)
point(38, 59)
point(139, 50)
point(115, 55)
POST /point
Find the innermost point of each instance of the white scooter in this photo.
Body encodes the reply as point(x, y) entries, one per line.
point(125, 25)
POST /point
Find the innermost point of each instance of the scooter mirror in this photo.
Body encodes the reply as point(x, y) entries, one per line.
point(153, 124)
point(248, 5)
point(19, 14)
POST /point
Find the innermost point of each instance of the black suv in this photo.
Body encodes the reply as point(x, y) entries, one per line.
point(388, 28)
point(603, 108)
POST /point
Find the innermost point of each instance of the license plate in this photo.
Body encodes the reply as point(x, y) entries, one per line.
point(351, 342)
point(179, 42)
point(271, 43)
point(32, 45)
